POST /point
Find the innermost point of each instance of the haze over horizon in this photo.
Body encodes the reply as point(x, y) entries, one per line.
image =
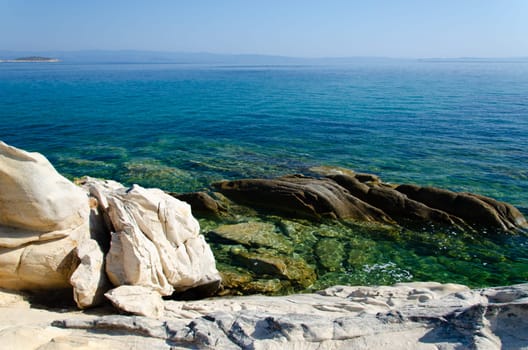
point(340, 28)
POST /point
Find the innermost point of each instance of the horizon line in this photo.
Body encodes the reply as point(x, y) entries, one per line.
point(271, 55)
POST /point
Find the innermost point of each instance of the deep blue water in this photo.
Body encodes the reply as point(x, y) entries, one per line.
point(458, 125)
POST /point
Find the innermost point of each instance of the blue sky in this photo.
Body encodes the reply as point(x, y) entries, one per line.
point(392, 28)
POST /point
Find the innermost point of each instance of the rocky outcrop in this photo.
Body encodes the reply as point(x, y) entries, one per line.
point(56, 235)
point(300, 196)
point(336, 193)
point(404, 316)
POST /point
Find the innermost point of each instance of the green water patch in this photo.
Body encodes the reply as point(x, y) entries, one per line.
point(298, 255)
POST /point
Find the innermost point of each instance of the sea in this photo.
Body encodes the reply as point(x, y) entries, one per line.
point(455, 124)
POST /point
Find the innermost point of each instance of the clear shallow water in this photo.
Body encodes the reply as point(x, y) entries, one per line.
point(456, 125)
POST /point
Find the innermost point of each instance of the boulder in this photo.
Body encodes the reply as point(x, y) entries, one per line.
point(43, 219)
point(36, 202)
point(155, 240)
point(89, 280)
point(47, 224)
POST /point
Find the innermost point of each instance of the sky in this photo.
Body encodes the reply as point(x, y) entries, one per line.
point(307, 28)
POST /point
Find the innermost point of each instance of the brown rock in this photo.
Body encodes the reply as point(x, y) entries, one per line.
point(344, 194)
point(202, 204)
point(394, 203)
point(301, 196)
point(473, 209)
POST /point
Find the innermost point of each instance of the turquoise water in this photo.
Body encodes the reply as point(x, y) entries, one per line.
point(457, 125)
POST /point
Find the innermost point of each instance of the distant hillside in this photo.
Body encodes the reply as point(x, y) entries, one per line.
point(135, 56)
point(35, 58)
point(31, 59)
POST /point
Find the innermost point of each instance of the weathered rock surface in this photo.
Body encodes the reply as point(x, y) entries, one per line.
point(404, 316)
point(43, 219)
point(341, 194)
point(155, 239)
point(89, 280)
point(137, 300)
point(394, 203)
point(472, 208)
point(251, 234)
point(47, 224)
point(301, 196)
point(36, 202)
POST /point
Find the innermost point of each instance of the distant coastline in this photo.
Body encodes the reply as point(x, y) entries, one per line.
point(30, 59)
point(168, 57)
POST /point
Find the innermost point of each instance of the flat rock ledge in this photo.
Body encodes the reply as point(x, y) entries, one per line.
point(423, 315)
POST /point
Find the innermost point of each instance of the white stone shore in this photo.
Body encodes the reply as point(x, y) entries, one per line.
point(404, 316)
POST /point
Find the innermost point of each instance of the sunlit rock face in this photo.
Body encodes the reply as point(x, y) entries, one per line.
point(155, 240)
point(57, 235)
point(43, 218)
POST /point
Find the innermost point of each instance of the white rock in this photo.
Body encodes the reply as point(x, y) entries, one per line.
point(137, 300)
point(36, 202)
point(155, 240)
point(89, 279)
point(43, 218)
point(47, 265)
point(134, 260)
point(12, 299)
point(453, 318)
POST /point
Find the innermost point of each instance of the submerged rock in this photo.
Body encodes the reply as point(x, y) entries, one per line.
point(268, 262)
point(251, 234)
point(330, 253)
